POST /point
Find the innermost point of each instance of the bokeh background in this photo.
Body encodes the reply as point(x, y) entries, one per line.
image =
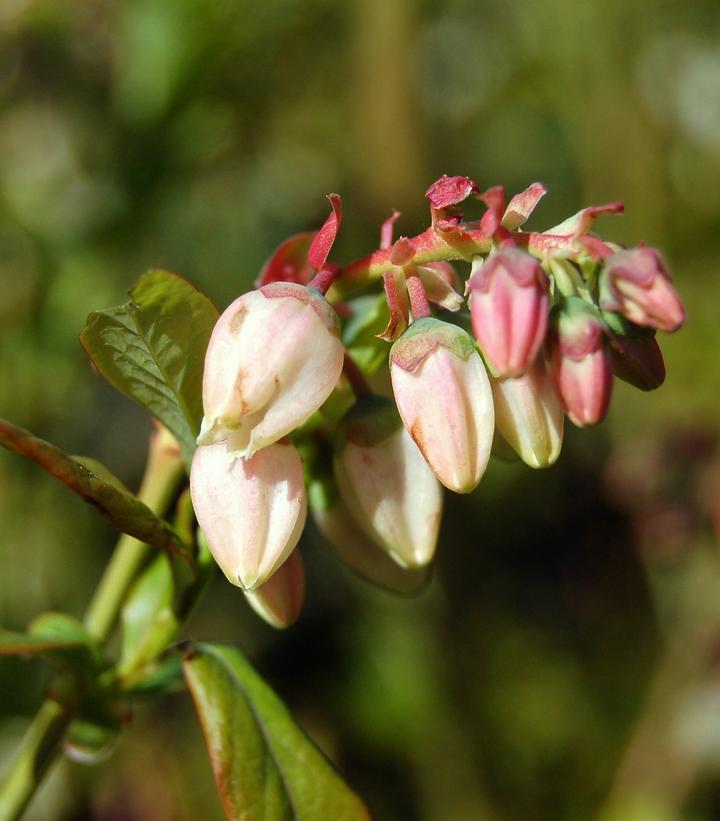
point(565, 661)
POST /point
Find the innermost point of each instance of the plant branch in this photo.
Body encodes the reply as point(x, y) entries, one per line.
point(430, 246)
point(43, 738)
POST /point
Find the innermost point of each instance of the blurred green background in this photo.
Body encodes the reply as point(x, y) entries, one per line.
point(565, 661)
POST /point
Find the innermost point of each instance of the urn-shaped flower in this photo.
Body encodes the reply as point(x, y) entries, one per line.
point(274, 357)
point(509, 303)
point(581, 361)
point(252, 511)
point(636, 283)
point(385, 482)
point(443, 394)
point(280, 600)
point(529, 414)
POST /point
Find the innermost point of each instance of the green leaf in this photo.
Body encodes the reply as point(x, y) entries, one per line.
point(162, 675)
point(152, 349)
point(124, 510)
point(149, 621)
point(265, 767)
point(57, 635)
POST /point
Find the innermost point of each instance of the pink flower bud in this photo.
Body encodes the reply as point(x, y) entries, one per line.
point(529, 414)
point(252, 511)
point(581, 362)
point(280, 600)
point(386, 484)
point(636, 283)
point(509, 303)
point(443, 394)
point(274, 357)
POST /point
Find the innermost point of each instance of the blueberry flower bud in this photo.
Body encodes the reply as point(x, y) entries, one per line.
point(530, 414)
point(274, 357)
point(509, 303)
point(386, 484)
point(581, 362)
point(357, 550)
point(443, 394)
point(636, 283)
point(252, 511)
point(280, 600)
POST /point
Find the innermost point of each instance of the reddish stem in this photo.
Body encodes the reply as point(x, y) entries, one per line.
point(324, 278)
point(430, 246)
point(419, 304)
point(355, 377)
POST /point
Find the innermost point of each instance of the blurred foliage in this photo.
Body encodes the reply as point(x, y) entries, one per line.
point(195, 136)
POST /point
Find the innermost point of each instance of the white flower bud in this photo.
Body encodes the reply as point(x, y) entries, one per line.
point(529, 414)
point(274, 357)
point(386, 484)
point(252, 511)
point(444, 398)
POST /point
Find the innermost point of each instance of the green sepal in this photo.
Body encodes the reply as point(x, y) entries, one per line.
point(424, 336)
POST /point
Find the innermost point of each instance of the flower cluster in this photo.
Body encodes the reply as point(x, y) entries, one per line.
point(553, 318)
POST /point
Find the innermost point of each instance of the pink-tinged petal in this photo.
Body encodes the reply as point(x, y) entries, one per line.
point(280, 600)
point(509, 303)
point(288, 262)
point(638, 361)
point(580, 223)
point(529, 414)
point(325, 237)
point(252, 511)
point(636, 284)
point(449, 191)
point(387, 230)
point(522, 205)
point(398, 304)
point(274, 357)
point(386, 484)
point(445, 403)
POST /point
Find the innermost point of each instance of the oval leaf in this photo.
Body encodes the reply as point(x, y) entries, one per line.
point(124, 510)
point(152, 349)
point(265, 766)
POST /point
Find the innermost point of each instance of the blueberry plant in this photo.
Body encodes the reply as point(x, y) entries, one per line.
point(266, 412)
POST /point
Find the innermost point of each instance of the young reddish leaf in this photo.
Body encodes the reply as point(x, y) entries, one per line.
point(522, 205)
point(583, 221)
point(265, 766)
point(494, 198)
point(449, 191)
point(325, 237)
point(398, 302)
point(120, 507)
point(386, 231)
point(152, 349)
point(289, 261)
